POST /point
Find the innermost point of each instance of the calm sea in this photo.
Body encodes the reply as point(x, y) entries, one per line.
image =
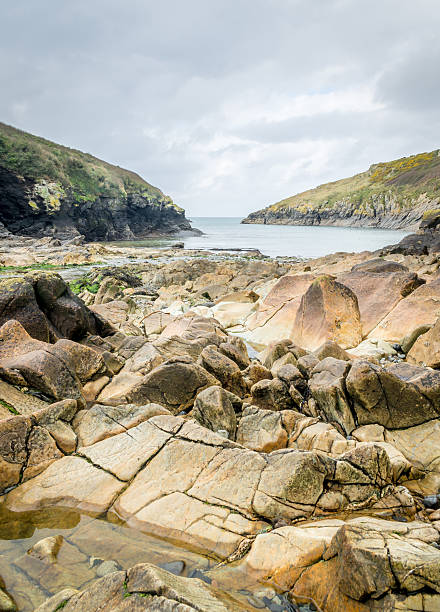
point(274, 240)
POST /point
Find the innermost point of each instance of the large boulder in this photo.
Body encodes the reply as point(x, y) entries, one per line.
point(379, 285)
point(172, 478)
point(174, 385)
point(419, 309)
point(224, 369)
point(372, 564)
point(328, 311)
point(274, 319)
point(57, 370)
point(426, 349)
point(327, 386)
point(214, 409)
point(47, 308)
point(397, 397)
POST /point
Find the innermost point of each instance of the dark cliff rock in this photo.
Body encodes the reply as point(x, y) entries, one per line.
point(48, 189)
point(425, 241)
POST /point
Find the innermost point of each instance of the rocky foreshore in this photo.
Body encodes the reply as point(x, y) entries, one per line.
point(252, 433)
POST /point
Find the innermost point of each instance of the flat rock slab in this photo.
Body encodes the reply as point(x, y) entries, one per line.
point(70, 482)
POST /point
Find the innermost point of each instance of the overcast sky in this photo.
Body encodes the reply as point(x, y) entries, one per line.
point(226, 105)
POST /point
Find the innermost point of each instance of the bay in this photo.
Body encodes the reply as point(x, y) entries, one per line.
point(279, 240)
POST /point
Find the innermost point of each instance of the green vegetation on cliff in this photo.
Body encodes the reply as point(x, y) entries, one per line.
point(387, 189)
point(85, 176)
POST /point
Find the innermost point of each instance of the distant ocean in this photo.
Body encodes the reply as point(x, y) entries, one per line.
point(280, 240)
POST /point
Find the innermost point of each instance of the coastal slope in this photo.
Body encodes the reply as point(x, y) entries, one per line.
point(394, 195)
point(49, 189)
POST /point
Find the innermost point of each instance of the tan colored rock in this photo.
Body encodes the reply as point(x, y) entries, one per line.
point(328, 311)
point(420, 308)
point(284, 553)
point(379, 285)
point(426, 349)
point(126, 453)
point(401, 396)
point(174, 385)
point(213, 409)
point(101, 422)
point(331, 349)
point(47, 549)
point(42, 451)
point(143, 587)
point(327, 386)
point(276, 322)
point(261, 430)
point(235, 308)
point(13, 450)
point(272, 395)
point(55, 602)
point(70, 482)
point(224, 369)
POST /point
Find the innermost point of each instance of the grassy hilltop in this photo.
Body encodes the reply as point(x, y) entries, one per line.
point(47, 189)
point(89, 177)
point(402, 189)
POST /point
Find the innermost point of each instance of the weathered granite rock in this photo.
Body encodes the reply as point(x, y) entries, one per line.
point(224, 369)
point(57, 370)
point(373, 564)
point(47, 549)
point(426, 349)
point(401, 396)
point(327, 386)
point(213, 409)
point(420, 308)
point(100, 422)
point(143, 587)
point(379, 285)
point(174, 385)
point(261, 430)
point(272, 395)
point(328, 311)
point(47, 309)
point(274, 318)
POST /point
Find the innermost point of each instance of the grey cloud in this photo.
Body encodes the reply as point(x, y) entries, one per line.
point(211, 101)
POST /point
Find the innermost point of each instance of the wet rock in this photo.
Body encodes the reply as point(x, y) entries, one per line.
point(47, 549)
point(213, 409)
point(144, 587)
point(13, 449)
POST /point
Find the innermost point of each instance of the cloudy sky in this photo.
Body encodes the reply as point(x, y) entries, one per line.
point(226, 105)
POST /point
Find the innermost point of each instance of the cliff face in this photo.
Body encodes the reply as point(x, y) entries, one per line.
point(393, 195)
point(48, 189)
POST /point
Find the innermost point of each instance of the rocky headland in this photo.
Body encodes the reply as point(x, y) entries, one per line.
point(191, 430)
point(50, 190)
point(396, 195)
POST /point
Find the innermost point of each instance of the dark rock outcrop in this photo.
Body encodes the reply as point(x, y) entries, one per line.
point(47, 189)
